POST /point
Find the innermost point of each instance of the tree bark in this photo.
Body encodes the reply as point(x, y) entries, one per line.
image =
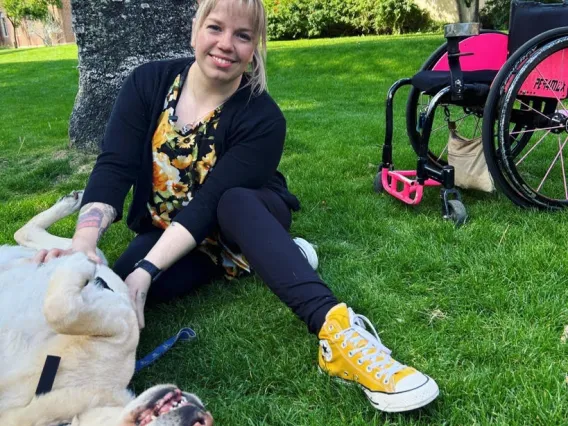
point(468, 10)
point(113, 37)
point(15, 28)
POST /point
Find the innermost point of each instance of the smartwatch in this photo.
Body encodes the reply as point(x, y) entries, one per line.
point(149, 267)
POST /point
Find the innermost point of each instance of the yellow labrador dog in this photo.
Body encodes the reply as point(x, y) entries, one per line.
point(80, 314)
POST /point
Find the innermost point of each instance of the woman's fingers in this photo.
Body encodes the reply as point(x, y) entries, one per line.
point(55, 253)
point(40, 256)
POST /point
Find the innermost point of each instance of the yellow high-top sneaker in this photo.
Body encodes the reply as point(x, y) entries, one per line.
point(350, 352)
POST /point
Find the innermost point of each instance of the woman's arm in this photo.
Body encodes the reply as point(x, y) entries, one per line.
point(175, 242)
point(120, 160)
point(94, 219)
point(250, 162)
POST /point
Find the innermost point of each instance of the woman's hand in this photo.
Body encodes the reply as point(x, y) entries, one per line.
point(94, 219)
point(78, 245)
point(138, 283)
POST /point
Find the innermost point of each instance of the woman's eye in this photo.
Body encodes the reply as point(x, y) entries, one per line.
point(214, 27)
point(245, 36)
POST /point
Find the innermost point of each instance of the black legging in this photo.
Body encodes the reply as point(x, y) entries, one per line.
point(257, 222)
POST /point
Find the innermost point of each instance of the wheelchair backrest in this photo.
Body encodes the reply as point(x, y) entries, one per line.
point(528, 19)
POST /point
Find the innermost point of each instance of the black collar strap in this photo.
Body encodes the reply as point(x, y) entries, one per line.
point(48, 375)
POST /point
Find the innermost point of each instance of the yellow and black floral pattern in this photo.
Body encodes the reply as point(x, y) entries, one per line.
point(181, 163)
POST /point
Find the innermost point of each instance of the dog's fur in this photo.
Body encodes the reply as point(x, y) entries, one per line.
point(59, 308)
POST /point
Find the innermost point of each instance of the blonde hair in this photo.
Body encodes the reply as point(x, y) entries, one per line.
point(257, 70)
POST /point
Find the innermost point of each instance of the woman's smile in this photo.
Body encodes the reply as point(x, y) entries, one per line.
point(221, 61)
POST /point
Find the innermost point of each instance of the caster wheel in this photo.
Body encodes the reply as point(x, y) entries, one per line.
point(378, 183)
point(457, 212)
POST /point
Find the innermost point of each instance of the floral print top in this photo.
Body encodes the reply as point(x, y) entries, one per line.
point(181, 162)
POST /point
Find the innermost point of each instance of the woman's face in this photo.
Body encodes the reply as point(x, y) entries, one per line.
point(224, 44)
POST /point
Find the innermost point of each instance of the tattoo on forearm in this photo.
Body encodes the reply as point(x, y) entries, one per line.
point(96, 216)
point(92, 218)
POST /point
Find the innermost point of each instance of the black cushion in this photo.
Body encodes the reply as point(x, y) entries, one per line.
point(432, 82)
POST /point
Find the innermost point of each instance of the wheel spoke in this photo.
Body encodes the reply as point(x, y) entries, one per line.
point(476, 126)
point(531, 108)
point(540, 128)
point(563, 170)
point(445, 124)
point(443, 152)
point(561, 147)
point(532, 147)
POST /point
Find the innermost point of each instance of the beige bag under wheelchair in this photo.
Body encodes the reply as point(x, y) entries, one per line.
point(466, 155)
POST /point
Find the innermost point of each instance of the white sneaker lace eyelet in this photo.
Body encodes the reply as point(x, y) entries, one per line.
point(377, 376)
point(369, 369)
point(331, 327)
point(336, 336)
point(350, 354)
point(386, 382)
point(359, 362)
point(343, 345)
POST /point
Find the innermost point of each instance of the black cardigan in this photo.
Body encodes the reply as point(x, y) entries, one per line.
point(249, 143)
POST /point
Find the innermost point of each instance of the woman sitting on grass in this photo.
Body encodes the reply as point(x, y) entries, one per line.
point(200, 139)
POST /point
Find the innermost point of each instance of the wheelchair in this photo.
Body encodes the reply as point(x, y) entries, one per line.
point(507, 91)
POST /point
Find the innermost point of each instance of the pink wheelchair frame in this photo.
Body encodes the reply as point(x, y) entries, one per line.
point(470, 51)
point(487, 51)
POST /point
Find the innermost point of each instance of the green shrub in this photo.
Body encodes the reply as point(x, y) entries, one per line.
point(290, 19)
point(400, 16)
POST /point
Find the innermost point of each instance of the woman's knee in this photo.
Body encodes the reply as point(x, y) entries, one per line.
point(233, 203)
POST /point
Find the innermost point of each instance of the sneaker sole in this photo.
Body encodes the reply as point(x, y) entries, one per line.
point(398, 402)
point(403, 401)
point(308, 251)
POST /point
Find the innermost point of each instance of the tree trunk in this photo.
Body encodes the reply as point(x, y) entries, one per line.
point(468, 10)
point(15, 28)
point(113, 37)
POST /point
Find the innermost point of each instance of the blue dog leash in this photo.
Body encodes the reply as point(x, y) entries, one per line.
point(184, 335)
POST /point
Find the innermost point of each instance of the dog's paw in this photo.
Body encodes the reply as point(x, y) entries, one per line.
point(70, 202)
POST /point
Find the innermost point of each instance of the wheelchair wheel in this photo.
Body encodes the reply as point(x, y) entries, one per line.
point(457, 212)
point(468, 119)
point(378, 183)
point(534, 109)
point(521, 126)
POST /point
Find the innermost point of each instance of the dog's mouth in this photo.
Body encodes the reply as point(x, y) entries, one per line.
point(172, 401)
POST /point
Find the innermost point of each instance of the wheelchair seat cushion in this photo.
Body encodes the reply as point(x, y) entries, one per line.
point(431, 82)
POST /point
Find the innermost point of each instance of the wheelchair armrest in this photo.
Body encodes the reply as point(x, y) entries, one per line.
point(454, 33)
point(466, 29)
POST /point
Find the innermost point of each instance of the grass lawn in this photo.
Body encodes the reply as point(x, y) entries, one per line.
point(481, 308)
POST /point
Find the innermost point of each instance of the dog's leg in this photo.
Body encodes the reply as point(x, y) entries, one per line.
point(61, 405)
point(34, 233)
point(67, 312)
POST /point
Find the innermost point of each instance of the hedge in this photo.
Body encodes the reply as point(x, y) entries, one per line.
point(290, 19)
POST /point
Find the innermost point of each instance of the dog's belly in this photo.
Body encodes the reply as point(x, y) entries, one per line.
point(26, 338)
point(23, 328)
point(22, 290)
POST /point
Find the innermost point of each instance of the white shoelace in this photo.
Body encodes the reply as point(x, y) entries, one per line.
point(373, 350)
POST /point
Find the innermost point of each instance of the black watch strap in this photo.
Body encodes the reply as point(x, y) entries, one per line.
point(149, 267)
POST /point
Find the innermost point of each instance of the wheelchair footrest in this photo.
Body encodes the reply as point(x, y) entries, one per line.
point(402, 184)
